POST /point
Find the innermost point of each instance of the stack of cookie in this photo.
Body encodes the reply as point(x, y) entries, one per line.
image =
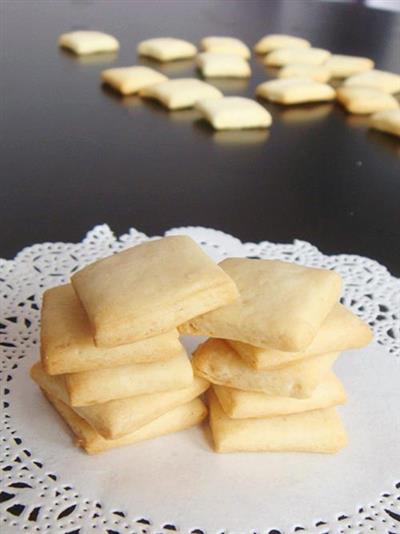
point(270, 358)
point(111, 360)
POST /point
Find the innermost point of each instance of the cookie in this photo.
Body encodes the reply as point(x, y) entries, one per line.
point(295, 91)
point(181, 93)
point(386, 121)
point(341, 330)
point(218, 65)
point(247, 404)
point(149, 289)
point(234, 113)
point(318, 73)
point(102, 385)
point(282, 305)
point(116, 418)
point(218, 363)
point(305, 56)
point(67, 346)
point(180, 418)
point(343, 66)
point(85, 42)
point(314, 431)
point(363, 100)
point(388, 82)
point(166, 49)
point(129, 80)
point(225, 45)
point(273, 41)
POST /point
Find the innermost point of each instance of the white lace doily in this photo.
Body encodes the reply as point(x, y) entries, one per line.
point(177, 483)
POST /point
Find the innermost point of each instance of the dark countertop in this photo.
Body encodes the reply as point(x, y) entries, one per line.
point(74, 154)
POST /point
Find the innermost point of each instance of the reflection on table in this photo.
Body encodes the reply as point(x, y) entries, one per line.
point(356, 121)
point(179, 67)
point(302, 113)
point(178, 115)
point(126, 101)
point(91, 59)
point(387, 142)
point(241, 137)
point(231, 137)
point(229, 85)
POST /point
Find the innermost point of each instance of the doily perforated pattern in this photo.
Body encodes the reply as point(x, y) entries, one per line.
point(33, 499)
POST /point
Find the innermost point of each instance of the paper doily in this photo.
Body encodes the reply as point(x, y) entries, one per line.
point(35, 497)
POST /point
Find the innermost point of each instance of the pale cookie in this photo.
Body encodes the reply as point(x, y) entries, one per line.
point(218, 363)
point(389, 82)
point(102, 385)
point(306, 56)
point(180, 418)
point(273, 41)
point(341, 330)
point(247, 404)
point(213, 65)
point(295, 91)
point(363, 100)
point(386, 121)
point(149, 289)
point(181, 93)
point(117, 418)
point(129, 80)
point(234, 113)
point(88, 42)
point(281, 304)
point(166, 49)
point(315, 431)
point(318, 73)
point(67, 346)
point(343, 66)
point(225, 45)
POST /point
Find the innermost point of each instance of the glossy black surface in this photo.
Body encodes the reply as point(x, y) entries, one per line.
point(74, 154)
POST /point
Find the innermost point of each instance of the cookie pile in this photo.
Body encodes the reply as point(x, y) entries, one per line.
point(113, 366)
point(270, 357)
point(303, 73)
point(111, 361)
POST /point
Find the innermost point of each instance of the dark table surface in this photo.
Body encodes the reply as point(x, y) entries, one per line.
point(74, 155)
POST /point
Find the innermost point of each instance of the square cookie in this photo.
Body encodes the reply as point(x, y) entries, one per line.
point(181, 93)
point(234, 113)
point(306, 56)
point(388, 82)
point(282, 305)
point(318, 73)
point(273, 41)
point(342, 66)
point(218, 363)
point(240, 404)
point(386, 121)
point(102, 385)
point(88, 42)
point(180, 418)
point(341, 330)
point(363, 100)
point(116, 418)
point(67, 344)
point(213, 65)
point(129, 80)
point(166, 49)
point(295, 91)
point(314, 431)
point(150, 289)
point(225, 45)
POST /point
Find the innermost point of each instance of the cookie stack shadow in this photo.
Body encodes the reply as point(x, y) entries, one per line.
point(111, 362)
point(270, 358)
